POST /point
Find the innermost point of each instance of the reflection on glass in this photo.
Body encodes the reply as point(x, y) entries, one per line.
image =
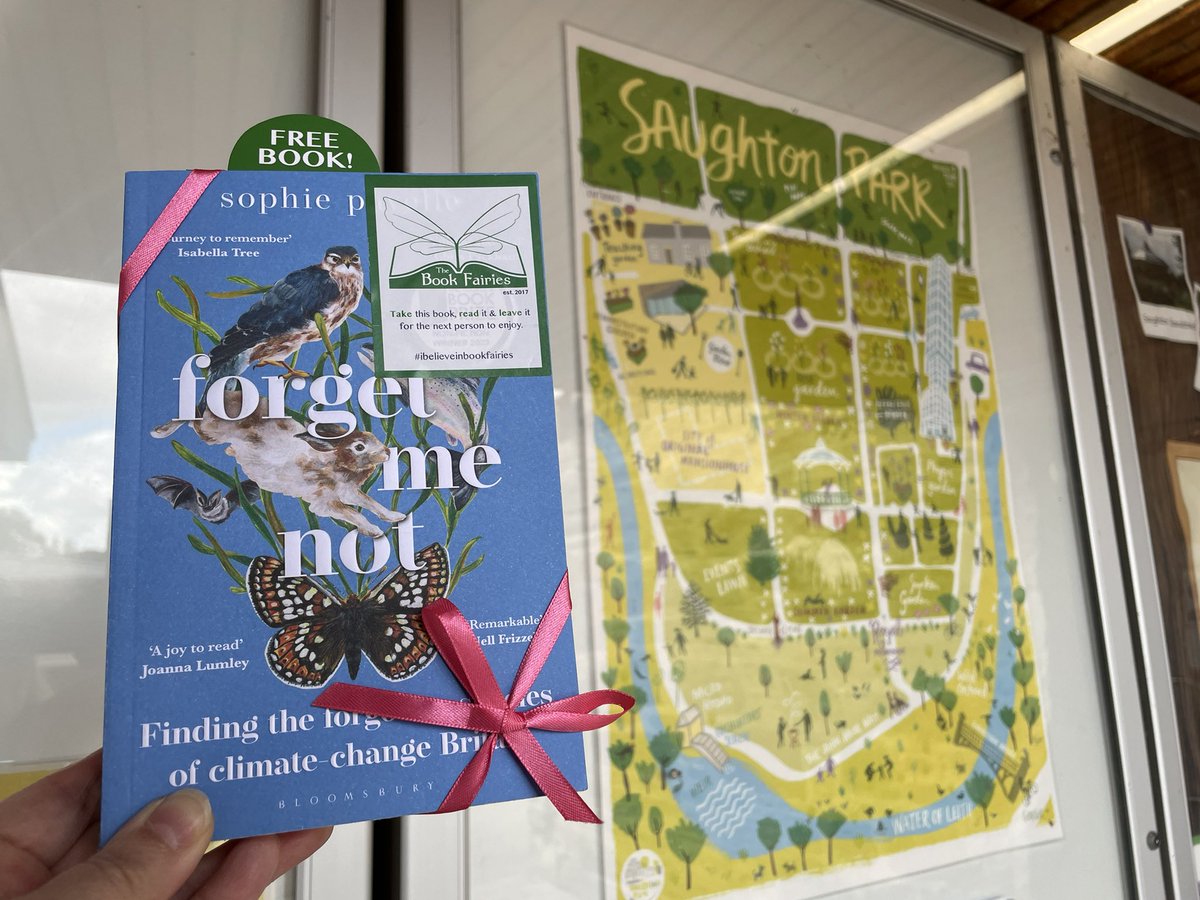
point(786, 266)
point(55, 488)
point(944, 126)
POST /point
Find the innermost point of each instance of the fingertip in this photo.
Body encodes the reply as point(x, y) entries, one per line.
point(149, 857)
point(181, 819)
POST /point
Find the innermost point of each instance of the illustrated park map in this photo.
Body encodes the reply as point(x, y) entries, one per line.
point(807, 567)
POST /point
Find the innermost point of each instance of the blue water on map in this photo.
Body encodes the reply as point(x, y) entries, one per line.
point(729, 811)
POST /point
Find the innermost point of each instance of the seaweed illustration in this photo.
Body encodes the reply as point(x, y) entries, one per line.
point(270, 513)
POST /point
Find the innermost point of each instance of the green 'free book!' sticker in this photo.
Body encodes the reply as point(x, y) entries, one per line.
point(302, 143)
point(457, 264)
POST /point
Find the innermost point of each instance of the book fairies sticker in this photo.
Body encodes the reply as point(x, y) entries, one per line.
point(458, 264)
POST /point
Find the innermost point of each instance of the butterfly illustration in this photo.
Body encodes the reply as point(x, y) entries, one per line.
point(317, 629)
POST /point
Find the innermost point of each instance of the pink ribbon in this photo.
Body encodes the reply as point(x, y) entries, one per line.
point(492, 712)
point(162, 231)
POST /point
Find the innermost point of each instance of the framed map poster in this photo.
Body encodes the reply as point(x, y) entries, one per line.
point(809, 572)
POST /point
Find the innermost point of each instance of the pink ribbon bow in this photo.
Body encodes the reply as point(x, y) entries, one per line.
point(492, 712)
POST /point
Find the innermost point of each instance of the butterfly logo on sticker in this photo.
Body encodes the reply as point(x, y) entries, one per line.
point(317, 629)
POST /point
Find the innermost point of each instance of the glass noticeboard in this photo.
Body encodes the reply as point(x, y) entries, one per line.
point(804, 338)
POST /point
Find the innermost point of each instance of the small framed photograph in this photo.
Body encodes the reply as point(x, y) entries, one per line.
point(1156, 262)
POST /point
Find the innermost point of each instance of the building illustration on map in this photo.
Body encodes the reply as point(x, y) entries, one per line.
point(676, 243)
point(802, 567)
point(937, 417)
point(658, 299)
point(824, 477)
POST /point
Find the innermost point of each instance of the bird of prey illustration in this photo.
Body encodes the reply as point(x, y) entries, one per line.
point(284, 319)
point(215, 507)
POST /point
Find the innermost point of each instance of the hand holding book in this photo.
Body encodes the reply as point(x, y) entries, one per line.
point(48, 846)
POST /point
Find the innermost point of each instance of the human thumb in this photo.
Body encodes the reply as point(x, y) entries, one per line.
point(148, 859)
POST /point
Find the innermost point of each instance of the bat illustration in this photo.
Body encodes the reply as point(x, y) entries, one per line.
point(215, 507)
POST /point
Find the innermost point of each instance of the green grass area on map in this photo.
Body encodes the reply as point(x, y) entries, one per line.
point(877, 292)
point(761, 160)
point(925, 645)
point(966, 217)
point(914, 592)
point(807, 403)
point(891, 407)
point(964, 289)
point(896, 471)
point(791, 431)
point(943, 479)
point(912, 206)
point(612, 154)
point(786, 271)
point(895, 539)
point(918, 291)
point(889, 389)
point(812, 369)
point(827, 574)
point(936, 539)
point(726, 685)
point(714, 558)
point(941, 470)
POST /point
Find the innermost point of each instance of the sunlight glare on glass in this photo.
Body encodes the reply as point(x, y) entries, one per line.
point(54, 499)
point(1100, 37)
point(1123, 23)
point(963, 115)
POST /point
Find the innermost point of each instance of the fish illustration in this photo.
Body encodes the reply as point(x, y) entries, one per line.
point(442, 398)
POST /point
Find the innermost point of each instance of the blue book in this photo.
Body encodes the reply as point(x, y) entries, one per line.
point(335, 407)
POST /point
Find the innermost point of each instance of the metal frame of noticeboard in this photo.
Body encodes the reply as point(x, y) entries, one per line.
point(1079, 74)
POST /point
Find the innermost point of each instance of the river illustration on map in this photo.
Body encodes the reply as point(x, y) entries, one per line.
point(803, 556)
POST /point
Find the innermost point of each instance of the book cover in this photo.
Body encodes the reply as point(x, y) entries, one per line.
point(309, 451)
